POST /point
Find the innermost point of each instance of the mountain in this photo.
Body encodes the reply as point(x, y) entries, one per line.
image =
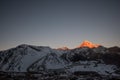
point(88, 44)
point(40, 61)
point(114, 49)
point(63, 48)
point(19, 58)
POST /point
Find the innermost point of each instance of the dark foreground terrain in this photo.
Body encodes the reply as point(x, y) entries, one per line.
point(55, 76)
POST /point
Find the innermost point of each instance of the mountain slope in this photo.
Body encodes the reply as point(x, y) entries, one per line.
point(50, 61)
point(19, 58)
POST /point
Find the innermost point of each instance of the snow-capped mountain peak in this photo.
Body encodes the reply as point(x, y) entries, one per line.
point(88, 44)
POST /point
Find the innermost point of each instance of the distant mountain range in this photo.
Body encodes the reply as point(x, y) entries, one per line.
point(87, 57)
point(83, 44)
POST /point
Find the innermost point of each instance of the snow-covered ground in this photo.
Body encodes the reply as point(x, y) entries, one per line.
point(92, 66)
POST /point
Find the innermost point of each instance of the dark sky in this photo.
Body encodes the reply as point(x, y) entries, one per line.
point(58, 23)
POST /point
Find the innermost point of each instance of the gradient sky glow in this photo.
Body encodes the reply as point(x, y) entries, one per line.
point(58, 23)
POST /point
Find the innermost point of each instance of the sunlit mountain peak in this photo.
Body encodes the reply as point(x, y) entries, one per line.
point(89, 44)
point(63, 48)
